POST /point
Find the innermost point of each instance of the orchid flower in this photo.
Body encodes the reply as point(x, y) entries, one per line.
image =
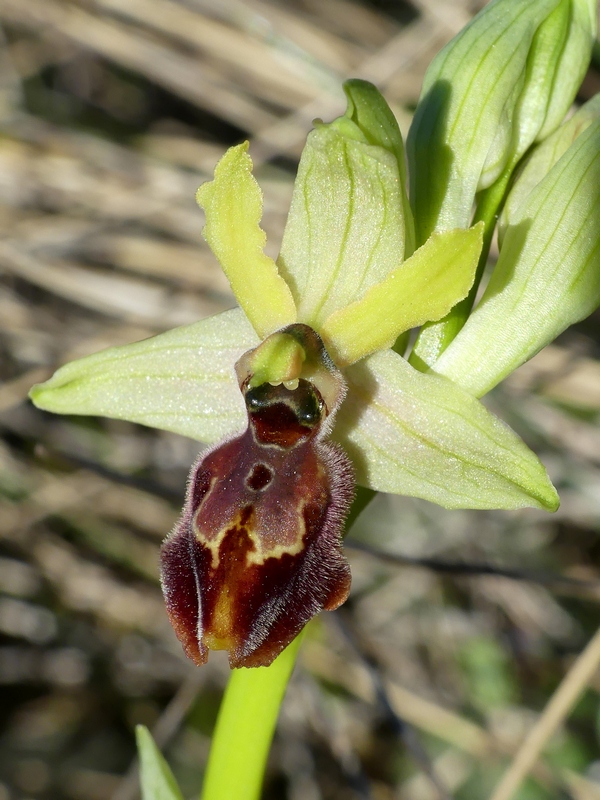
point(304, 389)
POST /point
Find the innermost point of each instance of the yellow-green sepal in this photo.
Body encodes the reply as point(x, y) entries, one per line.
point(181, 381)
point(347, 226)
point(233, 206)
point(423, 288)
point(421, 435)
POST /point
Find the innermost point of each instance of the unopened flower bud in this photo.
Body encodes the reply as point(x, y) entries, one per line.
point(548, 273)
point(503, 83)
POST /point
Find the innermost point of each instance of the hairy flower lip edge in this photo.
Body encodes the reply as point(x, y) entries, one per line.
point(251, 585)
point(175, 564)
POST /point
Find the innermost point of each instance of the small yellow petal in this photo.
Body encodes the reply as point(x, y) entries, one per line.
point(423, 288)
point(233, 206)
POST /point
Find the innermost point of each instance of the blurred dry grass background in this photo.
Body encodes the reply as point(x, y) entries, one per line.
point(461, 624)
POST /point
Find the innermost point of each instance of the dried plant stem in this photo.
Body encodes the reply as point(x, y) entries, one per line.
point(555, 712)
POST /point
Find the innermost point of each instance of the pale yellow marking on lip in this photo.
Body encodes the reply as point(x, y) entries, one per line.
point(214, 544)
point(220, 636)
point(258, 555)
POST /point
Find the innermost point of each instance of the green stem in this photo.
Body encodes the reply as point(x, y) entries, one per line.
point(488, 209)
point(245, 727)
point(248, 715)
point(435, 337)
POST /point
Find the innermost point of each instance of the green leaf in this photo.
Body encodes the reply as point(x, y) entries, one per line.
point(508, 77)
point(233, 206)
point(157, 780)
point(547, 276)
point(181, 381)
point(421, 435)
point(346, 227)
point(424, 287)
point(543, 158)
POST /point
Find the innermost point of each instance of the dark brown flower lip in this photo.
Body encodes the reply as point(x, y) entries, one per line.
point(257, 552)
point(250, 585)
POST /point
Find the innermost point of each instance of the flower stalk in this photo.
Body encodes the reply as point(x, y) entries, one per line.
point(435, 337)
point(245, 727)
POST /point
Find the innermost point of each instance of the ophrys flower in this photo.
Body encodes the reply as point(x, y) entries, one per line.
point(314, 345)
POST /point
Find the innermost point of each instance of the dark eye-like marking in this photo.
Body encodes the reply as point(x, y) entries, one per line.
point(304, 402)
point(259, 478)
point(309, 408)
point(259, 397)
point(283, 416)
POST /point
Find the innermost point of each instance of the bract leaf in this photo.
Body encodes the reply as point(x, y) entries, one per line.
point(547, 276)
point(345, 229)
point(418, 434)
point(543, 158)
point(510, 74)
point(571, 65)
point(181, 381)
point(424, 287)
point(157, 780)
point(233, 206)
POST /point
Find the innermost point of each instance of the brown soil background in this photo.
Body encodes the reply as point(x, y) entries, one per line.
point(461, 624)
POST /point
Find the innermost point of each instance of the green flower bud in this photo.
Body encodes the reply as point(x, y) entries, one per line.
point(548, 273)
point(543, 158)
point(504, 82)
